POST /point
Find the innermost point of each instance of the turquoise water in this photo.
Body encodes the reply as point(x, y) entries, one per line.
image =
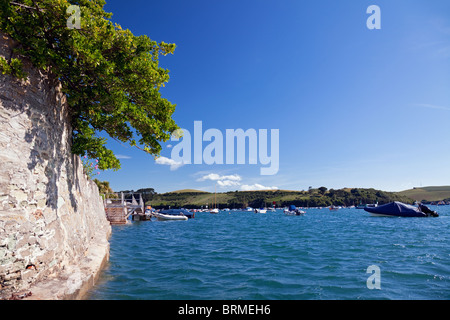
point(243, 255)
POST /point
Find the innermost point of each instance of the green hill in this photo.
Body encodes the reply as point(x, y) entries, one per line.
point(427, 193)
point(321, 197)
point(188, 191)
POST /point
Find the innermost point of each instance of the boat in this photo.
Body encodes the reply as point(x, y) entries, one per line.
point(178, 212)
point(333, 208)
point(260, 210)
point(169, 217)
point(293, 211)
point(399, 209)
point(360, 206)
point(249, 209)
point(215, 210)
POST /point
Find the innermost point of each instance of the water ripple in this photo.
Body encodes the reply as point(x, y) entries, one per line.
point(242, 255)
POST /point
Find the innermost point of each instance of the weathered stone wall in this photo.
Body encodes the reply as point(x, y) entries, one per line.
point(53, 228)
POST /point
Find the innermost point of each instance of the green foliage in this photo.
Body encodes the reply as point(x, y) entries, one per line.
point(256, 199)
point(14, 67)
point(104, 188)
point(322, 190)
point(90, 167)
point(111, 77)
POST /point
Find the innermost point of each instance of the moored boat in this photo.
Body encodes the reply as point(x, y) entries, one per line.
point(184, 212)
point(399, 209)
point(293, 211)
point(169, 217)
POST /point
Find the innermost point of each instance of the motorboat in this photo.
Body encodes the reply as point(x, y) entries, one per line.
point(166, 217)
point(261, 210)
point(399, 209)
point(214, 211)
point(293, 211)
point(178, 212)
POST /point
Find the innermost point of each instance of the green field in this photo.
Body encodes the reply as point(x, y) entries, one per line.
point(427, 193)
point(188, 191)
point(321, 197)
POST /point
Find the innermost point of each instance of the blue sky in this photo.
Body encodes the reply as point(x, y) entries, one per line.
point(354, 107)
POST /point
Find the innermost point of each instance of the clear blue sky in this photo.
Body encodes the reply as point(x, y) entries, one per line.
point(354, 107)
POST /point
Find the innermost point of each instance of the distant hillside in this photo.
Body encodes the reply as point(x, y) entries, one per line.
point(321, 197)
point(427, 193)
point(188, 191)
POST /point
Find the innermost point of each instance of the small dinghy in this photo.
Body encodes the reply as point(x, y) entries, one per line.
point(164, 216)
point(399, 209)
point(260, 210)
point(293, 211)
point(179, 212)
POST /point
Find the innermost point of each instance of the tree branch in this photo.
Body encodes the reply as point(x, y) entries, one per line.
point(26, 7)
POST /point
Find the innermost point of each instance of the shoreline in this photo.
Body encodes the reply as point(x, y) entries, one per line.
point(76, 281)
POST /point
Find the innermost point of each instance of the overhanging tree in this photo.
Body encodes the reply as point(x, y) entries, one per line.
point(111, 77)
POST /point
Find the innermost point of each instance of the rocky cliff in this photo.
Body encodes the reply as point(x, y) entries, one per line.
point(53, 228)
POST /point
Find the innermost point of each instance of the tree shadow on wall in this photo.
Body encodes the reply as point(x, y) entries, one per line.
point(49, 133)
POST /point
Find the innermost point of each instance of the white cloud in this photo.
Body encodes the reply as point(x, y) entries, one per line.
point(256, 186)
point(174, 165)
point(227, 183)
point(233, 180)
point(216, 177)
point(223, 181)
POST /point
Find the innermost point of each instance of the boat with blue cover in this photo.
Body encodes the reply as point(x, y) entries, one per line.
point(293, 211)
point(399, 209)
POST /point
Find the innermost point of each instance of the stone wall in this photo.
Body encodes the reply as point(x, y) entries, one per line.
point(53, 228)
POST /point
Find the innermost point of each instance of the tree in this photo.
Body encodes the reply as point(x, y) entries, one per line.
point(104, 188)
point(111, 77)
point(147, 193)
point(322, 190)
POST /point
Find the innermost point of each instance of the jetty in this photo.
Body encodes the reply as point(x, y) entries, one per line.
point(119, 206)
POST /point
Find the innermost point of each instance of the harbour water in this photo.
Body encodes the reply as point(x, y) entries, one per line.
point(242, 255)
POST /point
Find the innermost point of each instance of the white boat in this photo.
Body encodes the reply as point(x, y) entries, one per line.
point(294, 213)
point(215, 210)
point(260, 210)
point(165, 217)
